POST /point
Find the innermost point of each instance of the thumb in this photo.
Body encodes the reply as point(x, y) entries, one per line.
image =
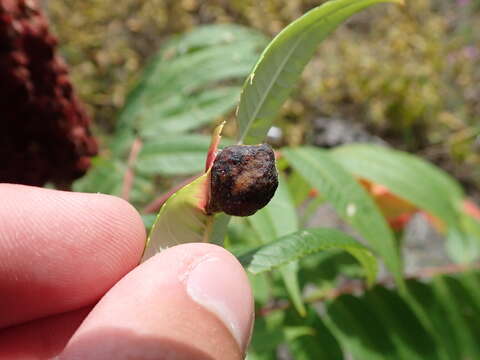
point(191, 301)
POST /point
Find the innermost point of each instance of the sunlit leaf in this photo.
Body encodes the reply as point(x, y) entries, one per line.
point(422, 184)
point(181, 219)
point(183, 86)
point(282, 62)
point(305, 242)
point(350, 200)
point(405, 175)
point(279, 218)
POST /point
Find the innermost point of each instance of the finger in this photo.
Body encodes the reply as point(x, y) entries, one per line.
point(192, 301)
point(61, 251)
point(40, 339)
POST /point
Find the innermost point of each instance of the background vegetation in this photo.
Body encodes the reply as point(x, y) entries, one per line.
point(409, 74)
point(412, 74)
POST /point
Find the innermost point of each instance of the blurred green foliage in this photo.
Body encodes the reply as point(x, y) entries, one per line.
point(415, 83)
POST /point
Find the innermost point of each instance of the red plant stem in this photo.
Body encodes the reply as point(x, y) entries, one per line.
point(129, 175)
point(157, 203)
point(355, 286)
point(444, 270)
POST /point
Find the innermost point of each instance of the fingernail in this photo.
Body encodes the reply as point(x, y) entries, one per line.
point(219, 284)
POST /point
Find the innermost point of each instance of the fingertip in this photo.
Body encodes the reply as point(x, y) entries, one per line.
point(121, 225)
point(217, 282)
point(62, 250)
point(189, 300)
point(41, 339)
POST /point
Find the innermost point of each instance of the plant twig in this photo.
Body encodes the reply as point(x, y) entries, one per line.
point(129, 175)
point(157, 203)
point(430, 272)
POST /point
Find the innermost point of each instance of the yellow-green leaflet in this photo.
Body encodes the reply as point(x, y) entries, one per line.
point(181, 219)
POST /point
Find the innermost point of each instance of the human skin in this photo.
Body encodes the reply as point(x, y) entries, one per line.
point(71, 286)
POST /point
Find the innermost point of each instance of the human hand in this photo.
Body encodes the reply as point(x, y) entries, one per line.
point(70, 286)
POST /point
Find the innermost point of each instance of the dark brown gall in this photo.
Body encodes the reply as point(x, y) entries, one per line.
point(243, 179)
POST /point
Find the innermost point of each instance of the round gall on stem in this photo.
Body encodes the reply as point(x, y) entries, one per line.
point(243, 179)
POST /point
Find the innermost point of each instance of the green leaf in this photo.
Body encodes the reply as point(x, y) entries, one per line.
point(299, 188)
point(183, 113)
point(318, 345)
point(218, 229)
point(462, 313)
point(174, 155)
point(471, 226)
point(181, 219)
point(282, 62)
point(251, 355)
point(262, 288)
point(452, 305)
point(305, 242)
point(279, 218)
point(107, 175)
point(104, 177)
point(184, 76)
point(350, 200)
point(294, 332)
point(406, 176)
point(421, 183)
point(289, 274)
point(149, 220)
point(143, 189)
point(407, 333)
point(280, 215)
point(209, 35)
point(463, 242)
point(427, 300)
point(381, 324)
point(268, 334)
